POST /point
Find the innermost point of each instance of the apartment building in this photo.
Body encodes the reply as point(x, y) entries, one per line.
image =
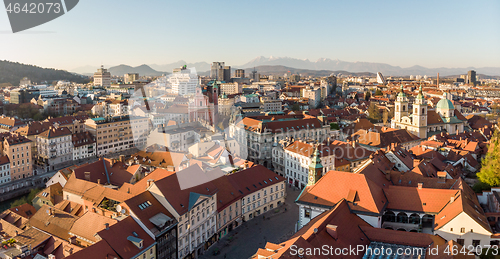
point(269, 105)
point(4, 169)
point(194, 208)
point(18, 149)
point(55, 147)
point(112, 108)
point(75, 124)
point(84, 145)
point(257, 134)
point(230, 88)
point(261, 190)
point(291, 159)
point(115, 134)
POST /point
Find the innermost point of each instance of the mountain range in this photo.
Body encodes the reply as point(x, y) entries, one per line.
point(320, 64)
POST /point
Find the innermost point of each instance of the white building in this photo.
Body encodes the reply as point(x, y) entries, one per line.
point(4, 169)
point(84, 145)
point(55, 146)
point(184, 82)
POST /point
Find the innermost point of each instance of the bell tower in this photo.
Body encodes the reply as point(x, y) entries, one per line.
point(420, 114)
point(401, 104)
point(315, 168)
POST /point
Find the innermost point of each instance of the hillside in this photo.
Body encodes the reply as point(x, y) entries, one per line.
point(143, 70)
point(13, 72)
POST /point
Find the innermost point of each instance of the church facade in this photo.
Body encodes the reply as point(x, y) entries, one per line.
point(421, 121)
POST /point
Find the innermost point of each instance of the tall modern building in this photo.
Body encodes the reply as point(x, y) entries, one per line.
point(239, 73)
point(214, 70)
point(255, 76)
point(380, 79)
point(471, 77)
point(225, 74)
point(102, 77)
point(184, 81)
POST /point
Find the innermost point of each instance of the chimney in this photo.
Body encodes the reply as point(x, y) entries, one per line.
point(332, 230)
point(87, 176)
point(420, 185)
point(98, 181)
point(111, 162)
point(452, 199)
point(106, 225)
point(122, 158)
point(150, 182)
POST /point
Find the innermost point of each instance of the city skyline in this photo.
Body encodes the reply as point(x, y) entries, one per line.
point(445, 34)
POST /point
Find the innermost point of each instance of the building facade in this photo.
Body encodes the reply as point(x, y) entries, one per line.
point(55, 147)
point(102, 77)
point(115, 134)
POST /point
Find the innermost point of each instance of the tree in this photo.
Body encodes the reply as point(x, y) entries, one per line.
point(295, 107)
point(368, 95)
point(374, 113)
point(490, 166)
point(334, 126)
point(378, 92)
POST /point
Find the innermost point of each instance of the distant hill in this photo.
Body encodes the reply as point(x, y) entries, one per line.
point(143, 70)
point(13, 72)
point(386, 69)
point(280, 70)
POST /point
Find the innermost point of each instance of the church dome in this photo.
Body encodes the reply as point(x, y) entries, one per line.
point(445, 104)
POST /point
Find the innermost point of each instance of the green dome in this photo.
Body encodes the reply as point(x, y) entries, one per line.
point(445, 104)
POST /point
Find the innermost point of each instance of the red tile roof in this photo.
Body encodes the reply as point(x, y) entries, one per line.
point(117, 237)
point(367, 196)
point(53, 132)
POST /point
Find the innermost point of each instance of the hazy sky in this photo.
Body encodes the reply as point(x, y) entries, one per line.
point(403, 33)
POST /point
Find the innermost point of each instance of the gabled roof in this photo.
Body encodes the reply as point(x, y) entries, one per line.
point(53, 221)
point(370, 197)
point(89, 224)
point(411, 199)
point(117, 236)
point(25, 210)
point(105, 170)
point(465, 201)
point(55, 132)
point(179, 198)
point(100, 249)
point(145, 213)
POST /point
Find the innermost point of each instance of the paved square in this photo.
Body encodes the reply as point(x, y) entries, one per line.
point(244, 241)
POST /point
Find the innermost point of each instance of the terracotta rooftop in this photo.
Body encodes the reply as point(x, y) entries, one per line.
point(118, 236)
point(89, 224)
point(362, 194)
point(53, 132)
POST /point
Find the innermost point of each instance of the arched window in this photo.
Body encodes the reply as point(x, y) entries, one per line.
point(402, 217)
point(423, 110)
point(404, 108)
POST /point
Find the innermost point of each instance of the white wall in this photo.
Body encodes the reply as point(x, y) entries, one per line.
point(463, 220)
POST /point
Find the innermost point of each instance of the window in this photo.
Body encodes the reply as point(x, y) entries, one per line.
point(307, 213)
point(476, 242)
point(460, 241)
point(462, 230)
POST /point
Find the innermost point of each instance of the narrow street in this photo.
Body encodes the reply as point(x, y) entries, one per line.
point(244, 241)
